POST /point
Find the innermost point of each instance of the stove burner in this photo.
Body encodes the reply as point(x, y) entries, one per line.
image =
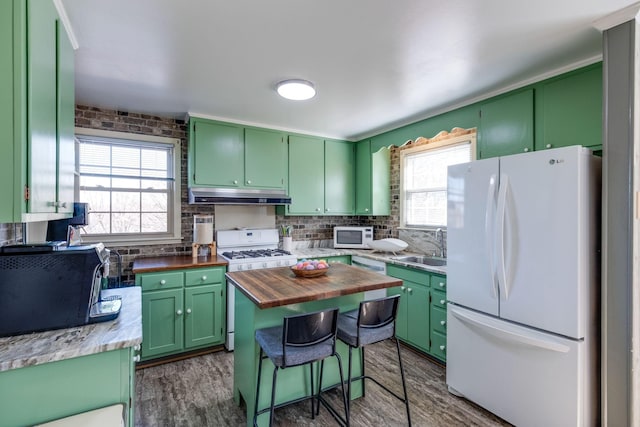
point(259, 253)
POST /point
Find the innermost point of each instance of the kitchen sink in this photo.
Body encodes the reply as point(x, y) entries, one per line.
point(424, 260)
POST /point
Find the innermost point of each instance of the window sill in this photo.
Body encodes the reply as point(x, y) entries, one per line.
point(133, 242)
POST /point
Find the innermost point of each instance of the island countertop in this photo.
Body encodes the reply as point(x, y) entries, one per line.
point(42, 347)
point(274, 287)
point(175, 262)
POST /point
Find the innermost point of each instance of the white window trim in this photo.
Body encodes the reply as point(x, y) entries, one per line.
point(176, 215)
point(447, 142)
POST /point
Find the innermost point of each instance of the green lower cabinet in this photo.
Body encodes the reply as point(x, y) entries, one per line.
point(188, 316)
point(47, 392)
point(422, 313)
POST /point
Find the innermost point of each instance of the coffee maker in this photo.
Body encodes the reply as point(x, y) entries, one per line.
point(52, 286)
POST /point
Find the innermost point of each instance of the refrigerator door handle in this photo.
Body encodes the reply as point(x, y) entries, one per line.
point(489, 221)
point(500, 236)
point(477, 321)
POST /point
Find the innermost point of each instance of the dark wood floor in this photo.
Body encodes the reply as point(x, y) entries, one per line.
point(198, 392)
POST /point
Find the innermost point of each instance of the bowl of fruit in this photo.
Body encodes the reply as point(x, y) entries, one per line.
point(310, 268)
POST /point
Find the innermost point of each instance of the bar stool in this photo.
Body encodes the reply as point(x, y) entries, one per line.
point(302, 339)
point(374, 321)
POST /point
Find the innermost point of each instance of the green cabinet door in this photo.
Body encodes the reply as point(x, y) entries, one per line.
point(373, 174)
point(41, 105)
point(339, 178)
point(506, 125)
point(306, 175)
point(66, 122)
point(401, 317)
point(203, 315)
point(10, 191)
point(265, 161)
point(417, 315)
point(217, 157)
point(363, 178)
point(162, 322)
point(572, 110)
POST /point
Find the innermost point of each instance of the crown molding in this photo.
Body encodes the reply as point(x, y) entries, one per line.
point(62, 12)
point(616, 18)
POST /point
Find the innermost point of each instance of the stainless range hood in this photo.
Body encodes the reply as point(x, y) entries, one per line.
point(235, 196)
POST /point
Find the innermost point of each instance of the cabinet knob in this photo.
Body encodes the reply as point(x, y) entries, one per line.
point(203, 278)
point(548, 145)
point(248, 181)
point(327, 209)
point(366, 209)
point(441, 284)
point(317, 209)
point(235, 181)
point(136, 347)
point(409, 290)
point(442, 347)
point(442, 322)
point(526, 150)
point(442, 302)
point(179, 312)
point(402, 288)
point(188, 311)
point(163, 282)
point(136, 358)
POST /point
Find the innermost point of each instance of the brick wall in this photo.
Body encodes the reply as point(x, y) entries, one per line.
point(304, 228)
point(10, 233)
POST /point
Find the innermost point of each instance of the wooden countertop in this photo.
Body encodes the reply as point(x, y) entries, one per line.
point(177, 262)
point(274, 287)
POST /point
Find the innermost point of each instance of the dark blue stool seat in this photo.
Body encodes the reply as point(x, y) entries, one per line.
point(302, 339)
point(374, 321)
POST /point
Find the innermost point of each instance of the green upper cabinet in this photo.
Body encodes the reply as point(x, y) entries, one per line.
point(306, 175)
point(66, 122)
point(572, 110)
point(339, 178)
point(265, 161)
point(372, 180)
point(228, 155)
point(321, 176)
point(37, 160)
point(216, 152)
point(506, 125)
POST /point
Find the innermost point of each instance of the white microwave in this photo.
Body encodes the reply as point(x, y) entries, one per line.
point(352, 237)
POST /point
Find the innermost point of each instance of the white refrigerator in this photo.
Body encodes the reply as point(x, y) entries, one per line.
point(523, 286)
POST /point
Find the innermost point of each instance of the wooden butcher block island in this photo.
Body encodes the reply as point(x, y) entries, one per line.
point(274, 287)
point(263, 298)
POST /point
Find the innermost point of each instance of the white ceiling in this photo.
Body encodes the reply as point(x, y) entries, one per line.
point(377, 64)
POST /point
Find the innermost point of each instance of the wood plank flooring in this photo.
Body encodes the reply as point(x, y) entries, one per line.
point(198, 392)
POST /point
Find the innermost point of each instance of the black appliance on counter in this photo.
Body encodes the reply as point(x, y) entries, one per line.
point(57, 229)
point(52, 286)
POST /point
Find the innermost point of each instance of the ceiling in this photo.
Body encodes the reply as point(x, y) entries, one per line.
point(376, 64)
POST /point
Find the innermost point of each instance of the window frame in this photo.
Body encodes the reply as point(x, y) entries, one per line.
point(450, 141)
point(174, 214)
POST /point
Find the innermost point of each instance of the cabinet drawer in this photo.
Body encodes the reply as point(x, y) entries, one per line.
point(439, 345)
point(439, 299)
point(204, 276)
point(438, 319)
point(409, 274)
point(438, 282)
point(155, 281)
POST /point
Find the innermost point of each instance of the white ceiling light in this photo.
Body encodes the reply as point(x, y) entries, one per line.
point(296, 90)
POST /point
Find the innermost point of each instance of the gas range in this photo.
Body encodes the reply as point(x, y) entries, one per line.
point(252, 249)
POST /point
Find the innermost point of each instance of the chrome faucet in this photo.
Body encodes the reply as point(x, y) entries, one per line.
point(440, 242)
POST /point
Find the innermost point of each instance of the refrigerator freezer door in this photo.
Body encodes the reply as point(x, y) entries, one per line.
point(471, 208)
point(543, 242)
point(525, 376)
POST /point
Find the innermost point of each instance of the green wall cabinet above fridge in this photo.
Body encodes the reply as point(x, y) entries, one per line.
point(38, 109)
point(232, 156)
point(506, 125)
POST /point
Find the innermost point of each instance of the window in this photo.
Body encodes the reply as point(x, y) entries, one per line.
point(130, 184)
point(423, 179)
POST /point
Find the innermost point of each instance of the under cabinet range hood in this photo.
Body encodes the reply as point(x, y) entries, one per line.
point(235, 196)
